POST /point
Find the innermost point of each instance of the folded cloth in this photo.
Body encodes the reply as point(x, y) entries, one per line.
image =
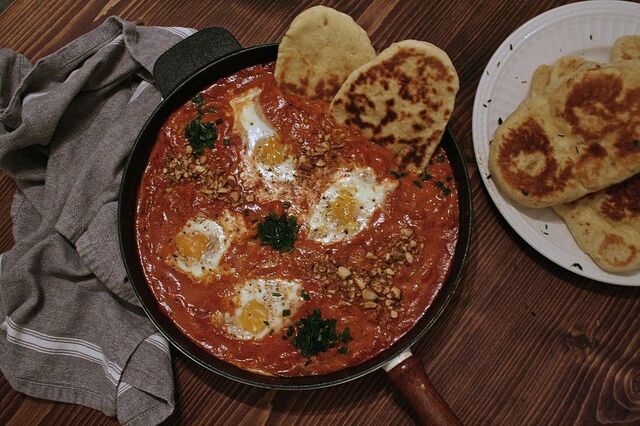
point(71, 327)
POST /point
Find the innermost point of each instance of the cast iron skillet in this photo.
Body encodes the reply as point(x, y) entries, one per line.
point(181, 72)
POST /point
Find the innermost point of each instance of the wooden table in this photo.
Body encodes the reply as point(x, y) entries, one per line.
point(524, 342)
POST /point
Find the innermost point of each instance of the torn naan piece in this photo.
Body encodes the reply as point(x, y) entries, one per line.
point(402, 99)
point(577, 133)
point(606, 225)
point(626, 48)
point(318, 52)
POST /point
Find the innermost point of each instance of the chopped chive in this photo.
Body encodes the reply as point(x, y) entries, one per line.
point(499, 121)
point(417, 183)
point(276, 294)
point(286, 312)
point(266, 323)
point(577, 265)
point(197, 99)
point(343, 350)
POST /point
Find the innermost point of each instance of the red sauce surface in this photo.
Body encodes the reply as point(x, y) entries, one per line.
point(164, 206)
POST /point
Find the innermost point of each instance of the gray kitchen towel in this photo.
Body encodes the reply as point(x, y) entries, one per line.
point(71, 328)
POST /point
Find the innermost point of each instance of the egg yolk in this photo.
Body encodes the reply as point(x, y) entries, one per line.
point(253, 317)
point(192, 245)
point(271, 151)
point(343, 211)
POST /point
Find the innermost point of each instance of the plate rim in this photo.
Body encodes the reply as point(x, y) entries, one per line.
point(485, 87)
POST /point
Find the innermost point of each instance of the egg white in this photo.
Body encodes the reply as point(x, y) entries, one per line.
point(220, 233)
point(275, 295)
point(254, 128)
point(360, 188)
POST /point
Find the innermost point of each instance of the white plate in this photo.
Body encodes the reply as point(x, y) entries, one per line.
point(588, 29)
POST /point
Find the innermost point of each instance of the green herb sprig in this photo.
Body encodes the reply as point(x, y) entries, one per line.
point(315, 335)
point(278, 232)
point(200, 135)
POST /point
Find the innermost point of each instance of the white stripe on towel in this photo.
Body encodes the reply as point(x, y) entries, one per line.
point(78, 348)
point(143, 85)
point(159, 342)
point(180, 31)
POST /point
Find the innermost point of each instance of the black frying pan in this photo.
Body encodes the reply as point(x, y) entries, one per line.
point(184, 70)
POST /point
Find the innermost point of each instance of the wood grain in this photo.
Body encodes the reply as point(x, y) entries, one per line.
point(524, 342)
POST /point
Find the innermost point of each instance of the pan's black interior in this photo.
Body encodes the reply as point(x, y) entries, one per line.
point(126, 216)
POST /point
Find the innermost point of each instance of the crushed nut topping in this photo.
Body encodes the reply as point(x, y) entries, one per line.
point(183, 167)
point(371, 287)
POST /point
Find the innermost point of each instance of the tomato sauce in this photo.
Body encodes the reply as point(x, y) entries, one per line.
point(409, 240)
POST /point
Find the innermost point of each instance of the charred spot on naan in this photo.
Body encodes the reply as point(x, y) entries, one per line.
point(622, 201)
point(592, 108)
point(616, 252)
point(527, 162)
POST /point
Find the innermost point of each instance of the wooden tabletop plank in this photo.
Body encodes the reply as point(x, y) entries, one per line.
point(524, 341)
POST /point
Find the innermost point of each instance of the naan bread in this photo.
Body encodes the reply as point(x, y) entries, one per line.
point(547, 77)
point(578, 135)
point(606, 225)
point(320, 49)
point(626, 48)
point(402, 99)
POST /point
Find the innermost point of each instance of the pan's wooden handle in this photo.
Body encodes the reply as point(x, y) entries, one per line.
point(409, 377)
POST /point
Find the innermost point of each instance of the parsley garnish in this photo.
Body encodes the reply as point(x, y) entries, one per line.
point(417, 183)
point(286, 312)
point(305, 296)
point(343, 350)
point(278, 232)
point(200, 135)
point(315, 335)
point(198, 100)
